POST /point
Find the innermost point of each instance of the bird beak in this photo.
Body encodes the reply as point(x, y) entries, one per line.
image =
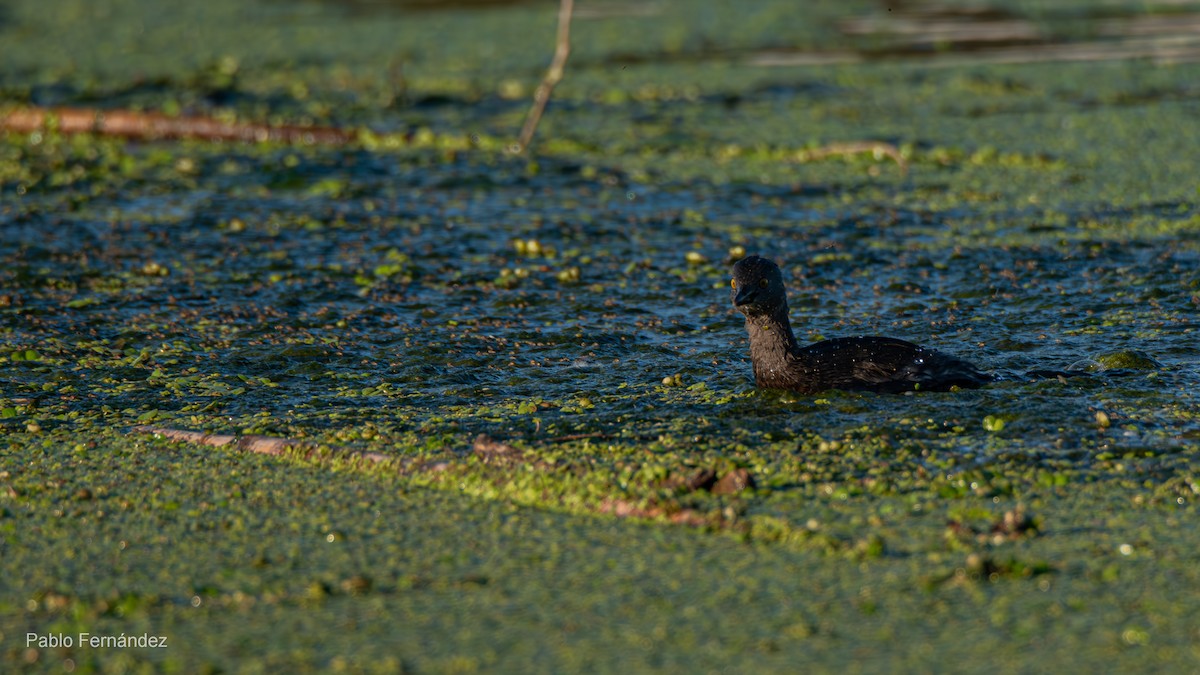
point(745, 296)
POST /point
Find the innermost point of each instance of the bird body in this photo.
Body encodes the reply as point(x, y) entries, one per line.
point(868, 363)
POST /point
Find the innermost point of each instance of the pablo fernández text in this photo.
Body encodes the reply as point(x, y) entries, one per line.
point(93, 641)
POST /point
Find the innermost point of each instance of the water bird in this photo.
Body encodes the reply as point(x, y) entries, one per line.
point(868, 363)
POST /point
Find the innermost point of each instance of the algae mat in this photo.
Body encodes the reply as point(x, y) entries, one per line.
point(634, 503)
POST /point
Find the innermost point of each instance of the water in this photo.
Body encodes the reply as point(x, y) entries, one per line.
point(401, 298)
point(445, 296)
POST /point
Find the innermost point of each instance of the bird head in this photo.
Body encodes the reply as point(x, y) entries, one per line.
point(757, 286)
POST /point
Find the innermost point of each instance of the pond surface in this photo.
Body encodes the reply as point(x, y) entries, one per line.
point(422, 287)
point(448, 291)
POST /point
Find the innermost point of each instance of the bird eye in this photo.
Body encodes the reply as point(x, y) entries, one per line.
point(733, 283)
point(763, 282)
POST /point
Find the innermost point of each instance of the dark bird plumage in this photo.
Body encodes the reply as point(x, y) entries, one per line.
point(879, 364)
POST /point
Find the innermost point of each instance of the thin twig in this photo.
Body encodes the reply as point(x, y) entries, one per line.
point(875, 147)
point(398, 84)
point(562, 49)
point(578, 437)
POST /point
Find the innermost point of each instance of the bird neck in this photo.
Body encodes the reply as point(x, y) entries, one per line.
point(771, 337)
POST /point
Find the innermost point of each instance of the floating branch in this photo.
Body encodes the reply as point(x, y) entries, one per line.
point(877, 148)
point(498, 457)
point(262, 445)
point(152, 125)
point(562, 49)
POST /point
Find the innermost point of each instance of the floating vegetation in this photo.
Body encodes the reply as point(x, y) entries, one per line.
point(495, 400)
